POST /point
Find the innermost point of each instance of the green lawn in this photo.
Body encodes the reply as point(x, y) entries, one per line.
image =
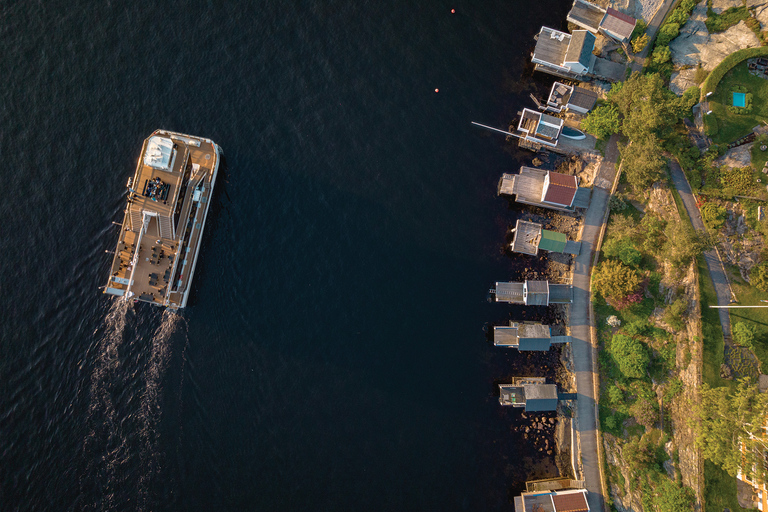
point(759, 156)
point(710, 327)
point(720, 490)
point(730, 126)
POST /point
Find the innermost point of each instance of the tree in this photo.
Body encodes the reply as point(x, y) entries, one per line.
point(645, 412)
point(662, 54)
point(642, 162)
point(647, 105)
point(758, 277)
point(623, 249)
point(630, 356)
point(639, 43)
point(614, 280)
point(729, 427)
point(684, 243)
point(667, 33)
point(603, 121)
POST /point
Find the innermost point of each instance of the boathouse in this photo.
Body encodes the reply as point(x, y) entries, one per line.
point(533, 293)
point(617, 25)
point(562, 54)
point(540, 128)
point(530, 237)
point(526, 337)
point(531, 393)
point(545, 188)
point(586, 15)
point(572, 500)
point(571, 98)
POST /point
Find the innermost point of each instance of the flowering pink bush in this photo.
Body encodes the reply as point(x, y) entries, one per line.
point(632, 298)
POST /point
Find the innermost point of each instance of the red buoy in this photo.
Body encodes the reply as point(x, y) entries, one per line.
point(437, 90)
point(453, 11)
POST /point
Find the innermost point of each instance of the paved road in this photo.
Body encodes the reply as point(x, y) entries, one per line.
point(581, 329)
point(638, 62)
point(715, 266)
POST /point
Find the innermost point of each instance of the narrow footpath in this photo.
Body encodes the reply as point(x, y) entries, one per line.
point(715, 266)
point(584, 351)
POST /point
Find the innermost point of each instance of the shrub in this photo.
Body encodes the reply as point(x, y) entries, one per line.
point(726, 19)
point(640, 42)
point(637, 328)
point(673, 315)
point(758, 277)
point(662, 54)
point(744, 334)
point(613, 279)
point(653, 228)
point(713, 215)
point(623, 249)
point(667, 33)
point(645, 412)
point(631, 356)
point(740, 179)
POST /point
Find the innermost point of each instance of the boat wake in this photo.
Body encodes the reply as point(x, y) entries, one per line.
point(122, 433)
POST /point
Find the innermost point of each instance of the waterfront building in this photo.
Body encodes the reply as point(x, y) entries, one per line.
point(572, 500)
point(562, 54)
point(533, 293)
point(570, 98)
point(545, 188)
point(525, 336)
point(530, 237)
point(609, 22)
point(531, 393)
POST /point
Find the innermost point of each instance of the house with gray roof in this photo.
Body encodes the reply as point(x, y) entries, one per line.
point(572, 98)
point(526, 336)
point(531, 393)
point(540, 128)
point(562, 54)
point(586, 15)
point(609, 22)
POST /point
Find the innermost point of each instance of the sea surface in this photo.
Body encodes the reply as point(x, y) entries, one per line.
point(334, 354)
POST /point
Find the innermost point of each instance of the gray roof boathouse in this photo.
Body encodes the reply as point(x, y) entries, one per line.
point(562, 54)
point(533, 293)
point(532, 393)
point(572, 500)
point(571, 98)
point(526, 337)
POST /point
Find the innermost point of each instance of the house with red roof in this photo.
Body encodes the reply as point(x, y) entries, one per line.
point(546, 189)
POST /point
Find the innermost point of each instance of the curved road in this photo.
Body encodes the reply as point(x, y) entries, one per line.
point(715, 266)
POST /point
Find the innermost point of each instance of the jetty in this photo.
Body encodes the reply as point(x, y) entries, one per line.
point(546, 189)
point(526, 337)
point(531, 393)
point(533, 293)
point(530, 237)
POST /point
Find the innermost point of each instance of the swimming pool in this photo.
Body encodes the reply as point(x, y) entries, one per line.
point(739, 99)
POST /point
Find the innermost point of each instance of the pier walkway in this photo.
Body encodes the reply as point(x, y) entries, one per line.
point(584, 351)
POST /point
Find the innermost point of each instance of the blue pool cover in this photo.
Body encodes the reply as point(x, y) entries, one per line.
point(739, 99)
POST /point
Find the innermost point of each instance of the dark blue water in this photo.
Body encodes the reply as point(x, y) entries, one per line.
point(333, 355)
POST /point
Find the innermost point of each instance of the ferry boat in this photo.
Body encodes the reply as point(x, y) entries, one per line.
point(168, 201)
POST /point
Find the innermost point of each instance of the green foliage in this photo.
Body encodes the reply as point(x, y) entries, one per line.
point(717, 74)
point(602, 122)
point(744, 334)
point(616, 204)
point(726, 19)
point(684, 244)
point(640, 42)
point(739, 179)
point(674, 388)
point(647, 105)
point(667, 33)
point(639, 327)
point(673, 315)
point(643, 162)
point(646, 412)
point(671, 497)
point(622, 226)
point(614, 280)
point(713, 215)
point(631, 356)
point(682, 12)
point(639, 29)
point(724, 419)
point(615, 396)
point(758, 277)
point(623, 249)
point(662, 54)
point(653, 227)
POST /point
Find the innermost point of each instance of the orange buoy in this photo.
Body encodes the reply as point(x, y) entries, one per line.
point(437, 90)
point(453, 11)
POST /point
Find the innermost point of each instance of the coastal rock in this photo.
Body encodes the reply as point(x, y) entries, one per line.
point(721, 5)
point(682, 80)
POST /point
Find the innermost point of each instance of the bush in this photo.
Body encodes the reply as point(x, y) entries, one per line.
point(623, 249)
point(645, 412)
point(667, 33)
point(758, 277)
point(740, 179)
point(744, 334)
point(640, 42)
point(717, 74)
point(713, 215)
point(726, 19)
point(673, 315)
point(662, 54)
point(637, 328)
point(653, 228)
point(631, 356)
point(614, 280)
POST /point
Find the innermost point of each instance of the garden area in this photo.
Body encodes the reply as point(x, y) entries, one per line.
point(728, 122)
